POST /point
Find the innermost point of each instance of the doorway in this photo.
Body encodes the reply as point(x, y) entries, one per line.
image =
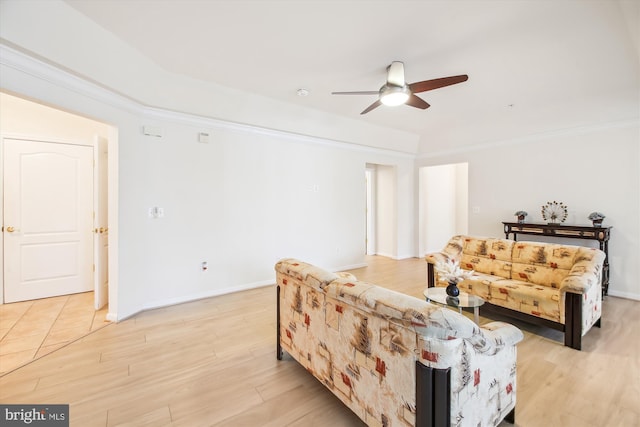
point(63, 151)
point(443, 205)
point(381, 218)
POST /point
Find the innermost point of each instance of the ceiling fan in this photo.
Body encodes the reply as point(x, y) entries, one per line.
point(396, 92)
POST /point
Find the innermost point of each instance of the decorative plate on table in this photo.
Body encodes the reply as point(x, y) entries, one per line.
point(554, 212)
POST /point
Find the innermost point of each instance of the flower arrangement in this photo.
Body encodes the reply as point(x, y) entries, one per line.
point(597, 218)
point(593, 216)
point(521, 215)
point(450, 271)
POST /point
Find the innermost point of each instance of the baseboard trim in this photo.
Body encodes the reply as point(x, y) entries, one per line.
point(113, 317)
point(349, 267)
point(626, 295)
point(208, 294)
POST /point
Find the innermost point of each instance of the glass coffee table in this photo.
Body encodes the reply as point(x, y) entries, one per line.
point(464, 300)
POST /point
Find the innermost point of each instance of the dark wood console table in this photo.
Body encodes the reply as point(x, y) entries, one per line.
point(601, 234)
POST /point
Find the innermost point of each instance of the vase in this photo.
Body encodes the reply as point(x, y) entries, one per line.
point(597, 223)
point(520, 219)
point(452, 289)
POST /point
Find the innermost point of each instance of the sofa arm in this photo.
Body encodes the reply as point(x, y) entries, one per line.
point(495, 336)
point(585, 273)
point(453, 251)
point(436, 257)
point(433, 259)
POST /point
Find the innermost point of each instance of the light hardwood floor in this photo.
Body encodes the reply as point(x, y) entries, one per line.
point(32, 329)
point(212, 362)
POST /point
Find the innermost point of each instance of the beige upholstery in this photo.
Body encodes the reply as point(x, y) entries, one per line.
point(368, 345)
point(529, 277)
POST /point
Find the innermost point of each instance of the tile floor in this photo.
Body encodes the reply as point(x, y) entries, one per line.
point(31, 329)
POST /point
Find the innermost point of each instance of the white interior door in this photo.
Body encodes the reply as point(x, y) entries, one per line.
point(48, 210)
point(101, 226)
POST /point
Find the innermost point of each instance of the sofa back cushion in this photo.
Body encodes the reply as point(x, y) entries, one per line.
point(311, 275)
point(487, 255)
point(542, 263)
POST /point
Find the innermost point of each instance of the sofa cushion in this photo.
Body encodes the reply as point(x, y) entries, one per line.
point(426, 319)
point(487, 255)
point(529, 298)
point(479, 285)
point(537, 300)
point(543, 264)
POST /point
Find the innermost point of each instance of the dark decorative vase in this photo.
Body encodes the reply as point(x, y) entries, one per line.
point(452, 290)
point(520, 219)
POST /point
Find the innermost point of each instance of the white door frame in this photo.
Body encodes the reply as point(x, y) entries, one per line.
point(100, 222)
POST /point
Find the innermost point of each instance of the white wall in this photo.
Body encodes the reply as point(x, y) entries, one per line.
point(443, 210)
point(276, 180)
point(386, 214)
point(462, 198)
point(589, 169)
point(438, 213)
point(241, 202)
point(263, 189)
point(18, 118)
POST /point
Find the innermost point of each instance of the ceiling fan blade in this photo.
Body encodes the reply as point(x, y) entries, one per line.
point(437, 83)
point(372, 106)
point(365, 92)
point(395, 74)
point(416, 101)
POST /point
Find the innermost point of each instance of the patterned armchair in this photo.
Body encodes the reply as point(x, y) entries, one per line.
point(558, 286)
point(394, 359)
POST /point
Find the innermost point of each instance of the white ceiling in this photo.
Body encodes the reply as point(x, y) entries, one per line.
point(534, 66)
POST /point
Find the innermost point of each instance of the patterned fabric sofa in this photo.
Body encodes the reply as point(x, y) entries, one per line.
point(393, 359)
point(557, 286)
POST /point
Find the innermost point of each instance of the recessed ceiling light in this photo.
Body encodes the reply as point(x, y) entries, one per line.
point(302, 92)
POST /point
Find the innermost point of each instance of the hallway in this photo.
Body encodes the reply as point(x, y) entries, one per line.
point(31, 329)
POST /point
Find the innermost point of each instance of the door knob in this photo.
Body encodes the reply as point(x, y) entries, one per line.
point(11, 229)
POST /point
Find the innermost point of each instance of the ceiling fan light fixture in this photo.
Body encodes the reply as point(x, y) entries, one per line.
point(394, 95)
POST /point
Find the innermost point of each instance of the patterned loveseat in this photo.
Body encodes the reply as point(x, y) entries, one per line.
point(395, 360)
point(557, 286)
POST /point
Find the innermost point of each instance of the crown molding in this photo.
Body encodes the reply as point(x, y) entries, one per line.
point(56, 75)
point(208, 122)
point(578, 130)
